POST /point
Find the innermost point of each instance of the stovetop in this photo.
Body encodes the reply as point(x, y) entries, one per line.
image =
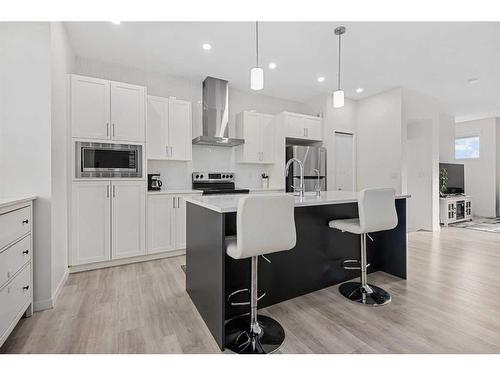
point(216, 183)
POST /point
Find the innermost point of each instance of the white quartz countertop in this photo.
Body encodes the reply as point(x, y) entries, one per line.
point(229, 202)
point(10, 201)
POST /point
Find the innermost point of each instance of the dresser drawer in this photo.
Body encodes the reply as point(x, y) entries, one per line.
point(14, 225)
point(13, 298)
point(14, 258)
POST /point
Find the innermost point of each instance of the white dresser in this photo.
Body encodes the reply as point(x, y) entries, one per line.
point(16, 270)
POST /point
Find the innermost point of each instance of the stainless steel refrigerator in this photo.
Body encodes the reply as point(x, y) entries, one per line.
point(314, 160)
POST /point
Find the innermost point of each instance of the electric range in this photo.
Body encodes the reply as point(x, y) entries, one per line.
point(216, 183)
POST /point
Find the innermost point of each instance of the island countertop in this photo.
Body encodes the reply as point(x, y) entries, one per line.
point(229, 202)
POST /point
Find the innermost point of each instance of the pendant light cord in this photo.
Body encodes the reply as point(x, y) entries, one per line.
point(257, 42)
point(340, 36)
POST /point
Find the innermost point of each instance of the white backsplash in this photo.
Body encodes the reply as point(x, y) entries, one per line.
point(177, 174)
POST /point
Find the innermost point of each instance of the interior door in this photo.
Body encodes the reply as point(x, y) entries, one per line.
point(157, 128)
point(90, 222)
point(179, 125)
point(128, 219)
point(90, 110)
point(344, 161)
point(127, 112)
point(160, 225)
point(267, 138)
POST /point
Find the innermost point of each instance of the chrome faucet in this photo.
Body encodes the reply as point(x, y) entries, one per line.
point(300, 189)
point(318, 184)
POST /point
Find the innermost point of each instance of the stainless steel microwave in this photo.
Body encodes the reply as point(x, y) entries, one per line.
point(108, 160)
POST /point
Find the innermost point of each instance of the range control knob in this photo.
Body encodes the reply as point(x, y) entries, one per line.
point(230, 176)
point(197, 176)
point(201, 176)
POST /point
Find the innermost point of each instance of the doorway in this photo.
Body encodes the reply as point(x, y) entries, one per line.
point(345, 161)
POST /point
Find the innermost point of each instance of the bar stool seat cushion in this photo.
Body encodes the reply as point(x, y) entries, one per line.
point(346, 225)
point(232, 246)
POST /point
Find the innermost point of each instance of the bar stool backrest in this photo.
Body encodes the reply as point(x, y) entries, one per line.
point(377, 210)
point(265, 224)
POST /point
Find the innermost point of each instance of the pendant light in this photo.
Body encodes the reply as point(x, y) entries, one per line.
point(338, 95)
point(257, 73)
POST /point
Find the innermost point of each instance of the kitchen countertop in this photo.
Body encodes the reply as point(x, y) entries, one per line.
point(229, 202)
point(9, 201)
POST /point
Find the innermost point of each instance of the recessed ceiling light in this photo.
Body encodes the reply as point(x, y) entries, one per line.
point(116, 22)
point(272, 65)
point(207, 47)
point(473, 80)
point(359, 90)
point(321, 79)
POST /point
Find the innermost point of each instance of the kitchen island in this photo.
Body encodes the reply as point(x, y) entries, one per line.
point(314, 263)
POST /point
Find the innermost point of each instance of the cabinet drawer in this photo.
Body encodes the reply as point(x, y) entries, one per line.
point(13, 298)
point(14, 258)
point(14, 225)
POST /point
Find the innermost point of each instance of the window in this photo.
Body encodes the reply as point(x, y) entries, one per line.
point(467, 147)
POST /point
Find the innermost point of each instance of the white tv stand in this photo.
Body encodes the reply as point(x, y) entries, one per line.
point(455, 208)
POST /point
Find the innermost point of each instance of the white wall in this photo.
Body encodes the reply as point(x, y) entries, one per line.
point(498, 166)
point(446, 138)
point(177, 175)
point(25, 142)
point(379, 145)
point(62, 63)
point(421, 177)
point(480, 174)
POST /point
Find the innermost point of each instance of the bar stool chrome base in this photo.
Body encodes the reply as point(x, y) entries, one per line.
point(241, 339)
point(357, 293)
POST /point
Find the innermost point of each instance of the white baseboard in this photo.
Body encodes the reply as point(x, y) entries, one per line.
point(55, 296)
point(120, 262)
point(43, 305)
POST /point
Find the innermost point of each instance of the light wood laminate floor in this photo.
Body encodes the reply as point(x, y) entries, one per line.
point(449, 304)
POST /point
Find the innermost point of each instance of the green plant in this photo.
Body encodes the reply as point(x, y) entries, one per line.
point(443, 181)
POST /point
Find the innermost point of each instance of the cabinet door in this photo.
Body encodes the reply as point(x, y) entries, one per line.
point(295, 125)
point(128, 234)
point(127, 112)
point(180, 223)
point(157, 128)
point(160, 224)
point(90, 110)
point(267, 139)
point(313, 128)
point(90, 222)
point(252, 134)
point(180, 129)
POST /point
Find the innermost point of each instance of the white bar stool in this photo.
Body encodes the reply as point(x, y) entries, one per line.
point(264, 224)
point(377, 212)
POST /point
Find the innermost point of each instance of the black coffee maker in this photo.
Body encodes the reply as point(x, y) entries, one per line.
point(154, 182)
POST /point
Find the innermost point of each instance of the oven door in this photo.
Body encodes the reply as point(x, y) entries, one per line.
point(108, 160)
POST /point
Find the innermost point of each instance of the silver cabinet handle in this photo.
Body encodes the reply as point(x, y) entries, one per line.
point(113, 129)
point(107, 129)
point(107, 191)
point(171, 151)
point(173, 202)
point(114, 191)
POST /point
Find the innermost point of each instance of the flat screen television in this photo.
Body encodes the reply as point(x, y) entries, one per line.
point(455, 181)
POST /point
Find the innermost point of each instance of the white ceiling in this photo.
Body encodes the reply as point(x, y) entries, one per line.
point(433, 58)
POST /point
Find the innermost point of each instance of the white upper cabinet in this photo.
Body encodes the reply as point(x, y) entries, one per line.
point(259, 135)
point(128, 219)
point(127, 112)
point(90, 107)
point(303, 126)
point(105, 110)
point(169, 129)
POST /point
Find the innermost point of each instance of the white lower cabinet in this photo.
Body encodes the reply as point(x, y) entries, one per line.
point(128, 220)
point(166, 223)
point(107, 220)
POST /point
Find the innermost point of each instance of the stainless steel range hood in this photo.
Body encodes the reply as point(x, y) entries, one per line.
point(216, 115)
